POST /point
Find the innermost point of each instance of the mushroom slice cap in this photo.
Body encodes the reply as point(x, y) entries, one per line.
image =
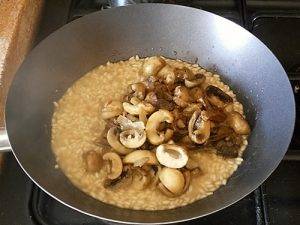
point(172, 179)
point(111, 109)
point(171, 155)
point(167, 74)
point(199, 127)
point(152, 65)
point(138, 155)
point(115, 164)
point(138, 108)
point(237, 122)
point(139, 90)
point(113, 141)
point(217, 97)
point(155, 137)
point(133, 138)
point(126, 123)
point(199, 79)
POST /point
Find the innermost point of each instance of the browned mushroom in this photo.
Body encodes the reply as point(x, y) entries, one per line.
point(216, 115)
point(139, 90)
point(151, 98)
point(217, 97)
point(167, 74)
point(199, 127)
point(237, 122)
point(187, 180)
point(190, 109)
point(198, 80)
point(183, 73)
point(93, 161)
point(171, 155)
point(141, 178)
point(197, 94)
point(181, 96)
point(152, 65)
point(124, 180)
point(114, 165)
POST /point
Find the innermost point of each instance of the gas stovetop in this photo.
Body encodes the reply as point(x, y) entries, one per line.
point(275, 202)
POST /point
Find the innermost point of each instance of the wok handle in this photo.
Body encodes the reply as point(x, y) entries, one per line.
point(4, 142)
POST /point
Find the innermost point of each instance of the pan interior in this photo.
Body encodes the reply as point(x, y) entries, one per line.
point(215, 43)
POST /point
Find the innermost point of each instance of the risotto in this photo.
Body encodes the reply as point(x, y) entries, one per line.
point(149, 134)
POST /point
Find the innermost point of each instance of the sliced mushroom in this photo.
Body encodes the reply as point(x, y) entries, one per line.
point(167, 74)
point(181, 96)
point(165, 191)
point(183, 73)
point(126, 123)
point(93, 161)
point(111, 109)
point(237, 122)
point(140, 158)
point(151, 98)
point(172, 179)
point(114, 165)
point(217, 97)
point(124, 180)
point(113, 140)
point(141, 178)
point(152, 65)
point(196, 94)
point(216, 115)
point(171, 155)
point(139, 90)
point(187, 180)
point(138, 108)
point(198, 80)
point(190, 109)
point(199, 127)
point(133, 138)
point(155, 137)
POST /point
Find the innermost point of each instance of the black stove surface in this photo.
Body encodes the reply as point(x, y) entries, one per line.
point(275, 202)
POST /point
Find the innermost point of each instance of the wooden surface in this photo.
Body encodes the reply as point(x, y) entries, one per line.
point(19, 20)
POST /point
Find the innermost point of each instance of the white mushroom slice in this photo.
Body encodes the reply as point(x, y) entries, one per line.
point(141, 155)
point(152, 65)
point(111, 109)
point(167, 74)
point(237, 122)
point(127, 124)
point(115, 165)
point(154, 136)
point(172, 179)
point(133, 138)
point(138, 108)
point(199, 127)
point(172, 156)
point(113, 140)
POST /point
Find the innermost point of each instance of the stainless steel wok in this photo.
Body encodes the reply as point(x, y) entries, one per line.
point(246, 64)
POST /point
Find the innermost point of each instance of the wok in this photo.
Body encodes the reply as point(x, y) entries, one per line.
point(193, 35)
